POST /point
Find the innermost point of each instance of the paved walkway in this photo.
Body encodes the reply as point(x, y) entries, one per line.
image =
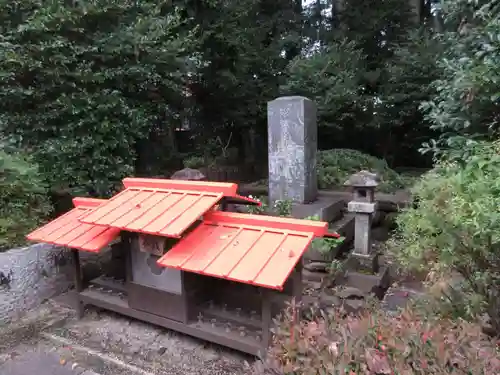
point(40, 362)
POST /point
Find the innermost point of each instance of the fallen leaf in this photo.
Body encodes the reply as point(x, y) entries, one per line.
point(333, 348)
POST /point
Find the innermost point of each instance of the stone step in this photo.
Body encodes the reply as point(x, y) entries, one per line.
point(366, 283)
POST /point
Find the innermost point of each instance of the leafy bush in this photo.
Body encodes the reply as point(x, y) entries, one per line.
point(326, 244)
point(377, 343)
point(281, 208)
point(24, 202)
point(456, 229)
point(194, 162)
point(335, 166)
point(467, 100)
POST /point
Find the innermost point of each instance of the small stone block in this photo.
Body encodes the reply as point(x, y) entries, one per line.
point(353, 306)
point(398, 298)
point(364, 263)
point(317, 266)
point(368, 283)
point(313, 276)
point(361, 207)
point(348, 292)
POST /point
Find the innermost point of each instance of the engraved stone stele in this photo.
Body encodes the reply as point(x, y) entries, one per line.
point(292, 146)
point(363, 206)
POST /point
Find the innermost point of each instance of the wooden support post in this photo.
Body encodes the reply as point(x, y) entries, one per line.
point(223, 206)
point(78, 282)
point(297, 281)
point(126, 239)
point(266, 321)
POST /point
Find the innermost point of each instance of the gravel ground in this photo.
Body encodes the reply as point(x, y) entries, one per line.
point(150, 348)
point(50, 341)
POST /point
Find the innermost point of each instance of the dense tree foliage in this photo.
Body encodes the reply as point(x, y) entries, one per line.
point(243, 48)
point(95, 89)
point(454, 227)
point(368, 68)
point(83, 84)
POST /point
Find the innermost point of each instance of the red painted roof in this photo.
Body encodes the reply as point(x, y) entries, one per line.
point(68, 231)
point(159, 207)
point(251, 249)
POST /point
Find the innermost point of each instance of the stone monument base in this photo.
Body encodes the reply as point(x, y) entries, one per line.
point(366, 264)
point(367, 283)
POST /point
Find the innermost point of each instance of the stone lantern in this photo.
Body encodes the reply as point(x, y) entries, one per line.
point(363, 206)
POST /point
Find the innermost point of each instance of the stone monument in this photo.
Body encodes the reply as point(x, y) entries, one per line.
point(292, 143)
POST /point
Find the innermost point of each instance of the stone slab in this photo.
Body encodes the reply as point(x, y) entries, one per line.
point(374, 283)
point(386, 202)
point(326, 207)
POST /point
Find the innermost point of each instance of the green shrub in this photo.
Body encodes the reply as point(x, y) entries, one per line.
point(194, 162)
point(258, 210)
point(455, 229)
point(378, 343)
point(326, 244)
point(283, 208)
point(24, 202)
point(336, 165)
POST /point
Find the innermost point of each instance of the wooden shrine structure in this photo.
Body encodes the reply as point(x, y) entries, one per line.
point(188, 264)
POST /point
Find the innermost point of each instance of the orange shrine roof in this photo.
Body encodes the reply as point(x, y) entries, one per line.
point(161, 207)
point(251, 249)
point(68, 231)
